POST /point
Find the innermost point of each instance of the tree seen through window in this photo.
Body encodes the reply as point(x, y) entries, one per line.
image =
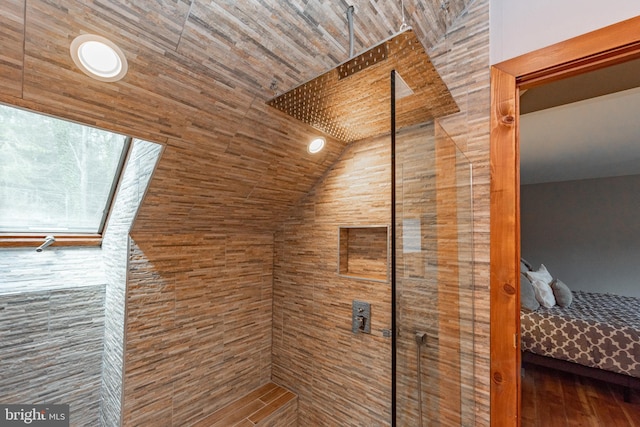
point(55, 176)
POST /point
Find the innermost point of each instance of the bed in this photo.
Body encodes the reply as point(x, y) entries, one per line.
point(598, 336)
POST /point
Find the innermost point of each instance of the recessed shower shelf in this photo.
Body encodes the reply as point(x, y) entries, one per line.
point(363, 252)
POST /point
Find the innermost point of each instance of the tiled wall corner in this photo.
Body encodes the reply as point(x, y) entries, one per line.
point(198, 331)
point(115, 250)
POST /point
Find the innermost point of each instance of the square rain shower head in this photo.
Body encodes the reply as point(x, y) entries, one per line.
point(352, 101)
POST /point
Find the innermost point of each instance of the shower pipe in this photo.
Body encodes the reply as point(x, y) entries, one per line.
point(350, 21)
point(421, 339)
point(404, 25)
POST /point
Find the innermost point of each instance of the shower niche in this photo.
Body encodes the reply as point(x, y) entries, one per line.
point(363, 252)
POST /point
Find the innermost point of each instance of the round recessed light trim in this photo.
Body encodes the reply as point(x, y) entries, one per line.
point(98, 57)
point(316, 145)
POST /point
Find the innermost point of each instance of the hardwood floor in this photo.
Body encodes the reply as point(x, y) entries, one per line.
point(552, 398)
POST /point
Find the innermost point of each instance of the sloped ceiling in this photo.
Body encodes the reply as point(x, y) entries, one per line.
point(200, 73)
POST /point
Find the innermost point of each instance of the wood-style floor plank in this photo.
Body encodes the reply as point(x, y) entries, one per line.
point(252, 409)
point(552, 398)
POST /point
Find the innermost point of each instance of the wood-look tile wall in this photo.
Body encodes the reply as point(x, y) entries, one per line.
point(140, 164)
point(341, 378)
point(232, 169)
point(198, 324)
point(51, 349)
point(307, 290)
point(462, 59)
point(71, 283)
point(51, 328)
point(231, 160)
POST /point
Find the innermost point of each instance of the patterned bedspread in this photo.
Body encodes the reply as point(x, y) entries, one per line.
point(597, 330)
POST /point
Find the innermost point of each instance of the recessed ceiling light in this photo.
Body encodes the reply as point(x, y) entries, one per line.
point(98, 57)
point(316, 145)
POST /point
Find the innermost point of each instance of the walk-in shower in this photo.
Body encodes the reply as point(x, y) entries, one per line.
point(394, 89)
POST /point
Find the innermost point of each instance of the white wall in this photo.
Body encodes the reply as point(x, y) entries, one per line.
point(521, 26)
point(585, 232)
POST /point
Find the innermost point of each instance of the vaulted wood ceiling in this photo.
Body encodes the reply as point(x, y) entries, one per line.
point(200, 74)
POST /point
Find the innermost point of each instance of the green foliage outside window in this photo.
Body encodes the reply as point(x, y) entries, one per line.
point(55, 176)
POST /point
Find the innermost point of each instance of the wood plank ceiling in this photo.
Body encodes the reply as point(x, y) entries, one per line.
point(200, 74)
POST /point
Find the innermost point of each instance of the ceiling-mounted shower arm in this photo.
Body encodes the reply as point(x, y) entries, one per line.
point(404, 25)
point(350, 10)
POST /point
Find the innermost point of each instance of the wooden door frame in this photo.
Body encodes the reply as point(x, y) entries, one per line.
point(608, 46)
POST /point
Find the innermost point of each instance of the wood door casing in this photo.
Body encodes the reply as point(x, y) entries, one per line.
point(598, 49)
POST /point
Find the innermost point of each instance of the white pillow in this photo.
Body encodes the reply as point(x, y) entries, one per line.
point(544, 293)
point(540, 274)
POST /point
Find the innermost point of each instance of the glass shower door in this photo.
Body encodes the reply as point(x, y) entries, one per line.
point(434, 280)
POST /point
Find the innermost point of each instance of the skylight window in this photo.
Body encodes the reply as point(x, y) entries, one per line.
point(56, 177)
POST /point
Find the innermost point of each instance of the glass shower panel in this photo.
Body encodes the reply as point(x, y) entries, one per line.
point(434, 280)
